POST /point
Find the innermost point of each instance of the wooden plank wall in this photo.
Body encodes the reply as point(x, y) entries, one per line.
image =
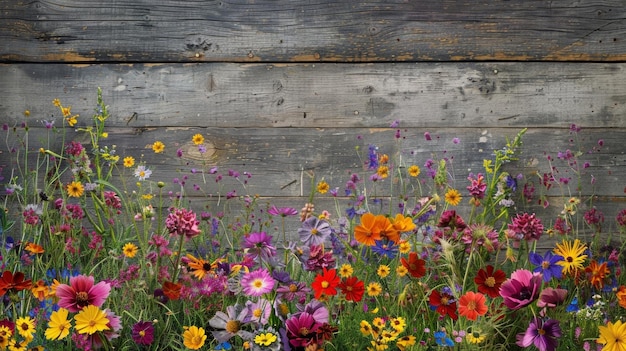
point(283, 89)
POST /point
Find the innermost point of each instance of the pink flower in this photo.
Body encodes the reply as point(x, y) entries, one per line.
point(82, 292)
point(521, 289)
point(182, 222)
point(257, 283)
point(527, 226)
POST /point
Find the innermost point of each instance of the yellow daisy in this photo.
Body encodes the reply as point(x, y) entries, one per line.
point(90, 320)
point(572, 253)
point(612, 336)
point(346, 270)
point(197, 139)
point(453, 197)
point(383, 271)
point(383, 172)
point(414, 171)
point(25, 326)
point(374, 289)
point(129, 161)
point(158, 147)
point(58, 326)
point(194, 337)
point(130, 250)
point(75, 189)
point(322, 187)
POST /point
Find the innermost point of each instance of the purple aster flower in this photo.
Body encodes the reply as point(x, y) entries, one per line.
point(386, 248)
point(293, 291)
point(143, 333)
point(282, 211)
point(257, 283)
point(542, 334)
point(314, 231)
point(521, 289)
point(260, 311)
point(547, 265)
point(551, 297)
point(259, 245)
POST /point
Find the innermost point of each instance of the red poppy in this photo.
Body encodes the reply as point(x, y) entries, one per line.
point(352, 288)
point(13, 282)
point(171, 290)
point(326, 283)
point(415, 265)
point(472, 305)
point(444, 303)
point(489, 282)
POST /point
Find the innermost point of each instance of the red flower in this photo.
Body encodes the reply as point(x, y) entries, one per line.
point(489, 282)
point(13, 282)
point(326, 283)
point(352, 288)
point(444, 303)
point(415, 265)
point(472, 305)
point(171, 290)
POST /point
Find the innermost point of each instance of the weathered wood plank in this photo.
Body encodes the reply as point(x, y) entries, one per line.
point(321, 30)
point(282, 160)
point(325, 95)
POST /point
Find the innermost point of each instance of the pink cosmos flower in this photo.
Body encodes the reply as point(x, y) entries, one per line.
point(257, 283)
point(521, 289)
point(82, 292)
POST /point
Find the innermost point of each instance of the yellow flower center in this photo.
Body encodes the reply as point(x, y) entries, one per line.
point(293, 288)
point(490, 282)
point(325, 284)
point(233, 326)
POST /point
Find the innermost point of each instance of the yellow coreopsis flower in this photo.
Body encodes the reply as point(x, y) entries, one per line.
point(129, 161)
point(453, 197)
point(612, 336)
point(346, 270)
point(25, 326)
point(197, 139)
point(5, 336)
point(194, 337)
point(414, 171)
point(75, 189)
point(322, 187)
point(383, 271)
point(573, 255)
point(374, 289)
point(383, 172)
point(90, 320)
point(130, 250)
point(158, 147)
point(58, 326)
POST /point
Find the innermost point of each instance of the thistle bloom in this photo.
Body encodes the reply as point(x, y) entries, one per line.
point(314, 231)
point(82, 292)
point(521, 289)
point(542, 334)
point(257, 283)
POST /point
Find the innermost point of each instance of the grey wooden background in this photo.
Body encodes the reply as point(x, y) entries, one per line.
point(283, 89)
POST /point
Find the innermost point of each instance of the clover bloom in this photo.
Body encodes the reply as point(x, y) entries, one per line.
point(229, 324)
point(181, 222)
point(547, 265)
point(90, 320)
point(143, 333)
point(314, 231)
point(612, 336)
point(472, 305)
point(572, 253)
point(415, 265)
point(194, 337)
point(82, 292)
point(521, 289)
point(257, 283)
point(542, 334)
point(489, 280)
point(326, 283)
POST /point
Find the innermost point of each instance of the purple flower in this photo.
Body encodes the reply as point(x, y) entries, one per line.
point(527, 225)
point(143, 333)
point(547, 265)
point(386, 248)
point(259, 245)
point(427, 136)
point(282, 211)
point(373, 157)
point(521, 289)
point(301, 329)
point(230, 323)
point(542, 334)
point(551, 297)
point(293, 291)
point(314, 231)
point(257, 283)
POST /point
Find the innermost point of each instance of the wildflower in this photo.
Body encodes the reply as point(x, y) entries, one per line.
point(621, 296)
point(75, 189)
point(346, 270)
point(197, 139)
point(612, 336)
point(257, 283)
point(322, 187)
point(386, 248)
point(82, 292)
point(158, 147)
point(414, 171)
point(551, 297)
point(572, 253)
point(477, 185)
point(521, 289)
point(229, 324)
point(267, 340)
point(403, 224)
point(527, 226)
point(401, 271)
point(143, 333)
point(314, 231)
point(142, 173)
point(542, 334)
point(130, 250)
point(58, 325)
point(182, 222)
point(129, 161)
point(415, 265)
point(293, 291)
point(443, 302)
point(90, 320)
point(596, 273)
point(325, 283)
point(472, 305)
point(453, 197)
point(283, 211)
point(383, 271)
point(442, 339)
point(10, 282)
point(40, 290)
point(194, 337)
point(382, 172)
point(352, 288)
point(301, 329)
point(259, 245)
point(475, 337)
point(25, 327)
point(34, 248)
point(547, 265)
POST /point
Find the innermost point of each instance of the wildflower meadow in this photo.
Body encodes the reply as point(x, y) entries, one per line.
point(100, 253)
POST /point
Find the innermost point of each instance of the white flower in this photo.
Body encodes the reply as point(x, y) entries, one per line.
point(142, 172)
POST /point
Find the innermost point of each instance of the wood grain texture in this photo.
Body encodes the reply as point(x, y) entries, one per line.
point(429, 95)
point(320, 30)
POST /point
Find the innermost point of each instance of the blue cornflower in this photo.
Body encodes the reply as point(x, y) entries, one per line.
point(373, 157)
point(442, 339)
point(573, 305)
point(511, 183)
point(386, 248)
point(547, 265)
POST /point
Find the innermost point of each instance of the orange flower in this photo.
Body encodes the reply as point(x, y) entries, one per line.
point(373, 228)
point(415, 265)
point(596, 273)
point(34, 248)
point(201, 267)
point(403, 224)
point(621, 296)
point(40, 290)
point(472, 305)
point(171, 290)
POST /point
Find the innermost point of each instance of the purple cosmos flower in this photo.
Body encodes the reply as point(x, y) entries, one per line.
point(282, 211)
point(230, 323)
point(547, 265)
point(259, 245)
point(257, 283)
point(551, 297)
point(314, 231)
point(301, 329)
point(260, 311)
point(143, 333)
point(293, 291)
point(542, 334)
point(521, 289)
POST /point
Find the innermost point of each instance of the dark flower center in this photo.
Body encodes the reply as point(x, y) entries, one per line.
point(82, 298)
point(206, 266)
point(524, 294)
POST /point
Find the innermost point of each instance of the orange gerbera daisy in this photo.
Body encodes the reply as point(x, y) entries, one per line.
point(472, 305)
point(596, 273)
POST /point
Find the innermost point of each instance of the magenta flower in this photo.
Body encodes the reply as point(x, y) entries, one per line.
point(314, 231)
point(551, 297)
point(477, 185)
point(143, 333)
point(542, 334)
point(301, 329)
point(259, 245)
point(282, 211)
point(521, 289)
point(82, 292)
point(257, 283)
point(182, 222)
point(527, 226)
